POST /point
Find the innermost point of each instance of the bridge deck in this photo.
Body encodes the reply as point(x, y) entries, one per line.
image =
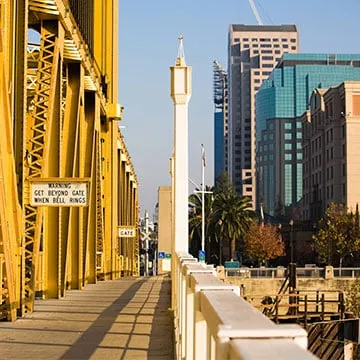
point(120, 319)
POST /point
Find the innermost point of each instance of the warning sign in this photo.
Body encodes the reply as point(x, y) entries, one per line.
point(59, 193)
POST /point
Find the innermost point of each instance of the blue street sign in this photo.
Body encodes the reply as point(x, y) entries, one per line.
point(161, 255)
point(201, 255)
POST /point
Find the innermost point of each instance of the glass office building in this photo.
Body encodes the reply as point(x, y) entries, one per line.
point(280, 103)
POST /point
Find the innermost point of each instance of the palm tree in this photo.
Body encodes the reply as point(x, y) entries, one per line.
point(232, 215)
point(195, 220)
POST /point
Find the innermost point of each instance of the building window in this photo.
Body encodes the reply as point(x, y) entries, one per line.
point(288, 146)
point(299, 156)
point(236, 40)
point(285, 46)
point(298, 125)
point(288, 184)
point(299, 135)
point(298, 145)
point(288, 157)
point(288, 126)
point(288, 136)
point(267, 58)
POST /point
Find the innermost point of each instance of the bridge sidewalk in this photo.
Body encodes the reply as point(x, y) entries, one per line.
point(119, 319)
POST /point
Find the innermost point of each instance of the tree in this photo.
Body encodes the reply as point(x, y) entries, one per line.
point(232, 217)
point(223, 184)
point(352, 304)
point(263, 242)
point(279, 209)
point(195, 220)
point(338, 234)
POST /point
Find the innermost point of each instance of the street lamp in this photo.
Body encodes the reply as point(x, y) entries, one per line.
point(291, 223)
point(202, 192)
point(341, 261)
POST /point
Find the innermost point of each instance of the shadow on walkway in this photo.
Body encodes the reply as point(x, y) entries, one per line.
point(86, 345)
point(161, 344)
point(125, 319)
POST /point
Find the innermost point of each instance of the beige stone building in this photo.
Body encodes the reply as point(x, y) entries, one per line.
point(331, 149)
point(164, 228)
point(253, 51)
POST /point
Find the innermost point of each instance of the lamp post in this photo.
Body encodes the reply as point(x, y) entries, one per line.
point(341, 261)
point(202, 192)
point(291, 223)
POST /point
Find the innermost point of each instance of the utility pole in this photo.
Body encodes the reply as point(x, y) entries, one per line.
point(202, 191)
point(146, 267)
point(202, 198)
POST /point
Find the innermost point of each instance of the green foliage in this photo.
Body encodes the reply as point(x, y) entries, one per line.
point(279, 210)
point(338, 234)
point(263, 242)
point(223, 184)
point(195, 219)
point(227, 217)
point(233, 216)
point(352, 298)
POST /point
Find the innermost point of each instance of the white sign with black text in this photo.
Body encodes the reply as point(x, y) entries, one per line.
point(59, 193)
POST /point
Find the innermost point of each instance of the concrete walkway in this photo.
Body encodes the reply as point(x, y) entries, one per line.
point(120, 319)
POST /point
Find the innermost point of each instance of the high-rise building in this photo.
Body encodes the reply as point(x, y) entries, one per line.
point(220, 120)
point(253, 51)
point(280, 104)
point(331, 131)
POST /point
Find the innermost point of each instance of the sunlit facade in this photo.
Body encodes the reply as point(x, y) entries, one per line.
point(280, 103)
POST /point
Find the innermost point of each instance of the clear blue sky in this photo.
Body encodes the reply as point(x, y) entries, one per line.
point(148, 46)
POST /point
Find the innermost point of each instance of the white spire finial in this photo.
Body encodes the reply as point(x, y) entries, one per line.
point(180, 61)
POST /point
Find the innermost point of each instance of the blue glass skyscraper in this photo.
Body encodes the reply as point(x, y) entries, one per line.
point(280, 102)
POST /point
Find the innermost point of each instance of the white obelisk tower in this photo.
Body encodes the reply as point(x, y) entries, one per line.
point(180, 93)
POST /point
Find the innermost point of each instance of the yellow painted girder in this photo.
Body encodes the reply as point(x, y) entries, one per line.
point(37, 152)
point(10, 216)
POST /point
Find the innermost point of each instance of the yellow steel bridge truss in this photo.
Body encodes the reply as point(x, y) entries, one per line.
point(59, 111)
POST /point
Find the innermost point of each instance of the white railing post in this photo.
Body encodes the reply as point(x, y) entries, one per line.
point(188, 318)
point(214, 323)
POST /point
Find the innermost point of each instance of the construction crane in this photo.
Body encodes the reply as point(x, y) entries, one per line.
point(256, 13)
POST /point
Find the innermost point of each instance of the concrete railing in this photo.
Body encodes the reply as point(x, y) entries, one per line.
point(213, 322)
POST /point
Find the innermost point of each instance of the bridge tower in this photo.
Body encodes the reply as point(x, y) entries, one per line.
point(59, 102)
point(180, 92)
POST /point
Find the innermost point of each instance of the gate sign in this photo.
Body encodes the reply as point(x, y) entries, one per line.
point(127, 231)
point(58, 192)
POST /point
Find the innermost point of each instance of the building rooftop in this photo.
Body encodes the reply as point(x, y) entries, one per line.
point(263, 28)
point(291, 59)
